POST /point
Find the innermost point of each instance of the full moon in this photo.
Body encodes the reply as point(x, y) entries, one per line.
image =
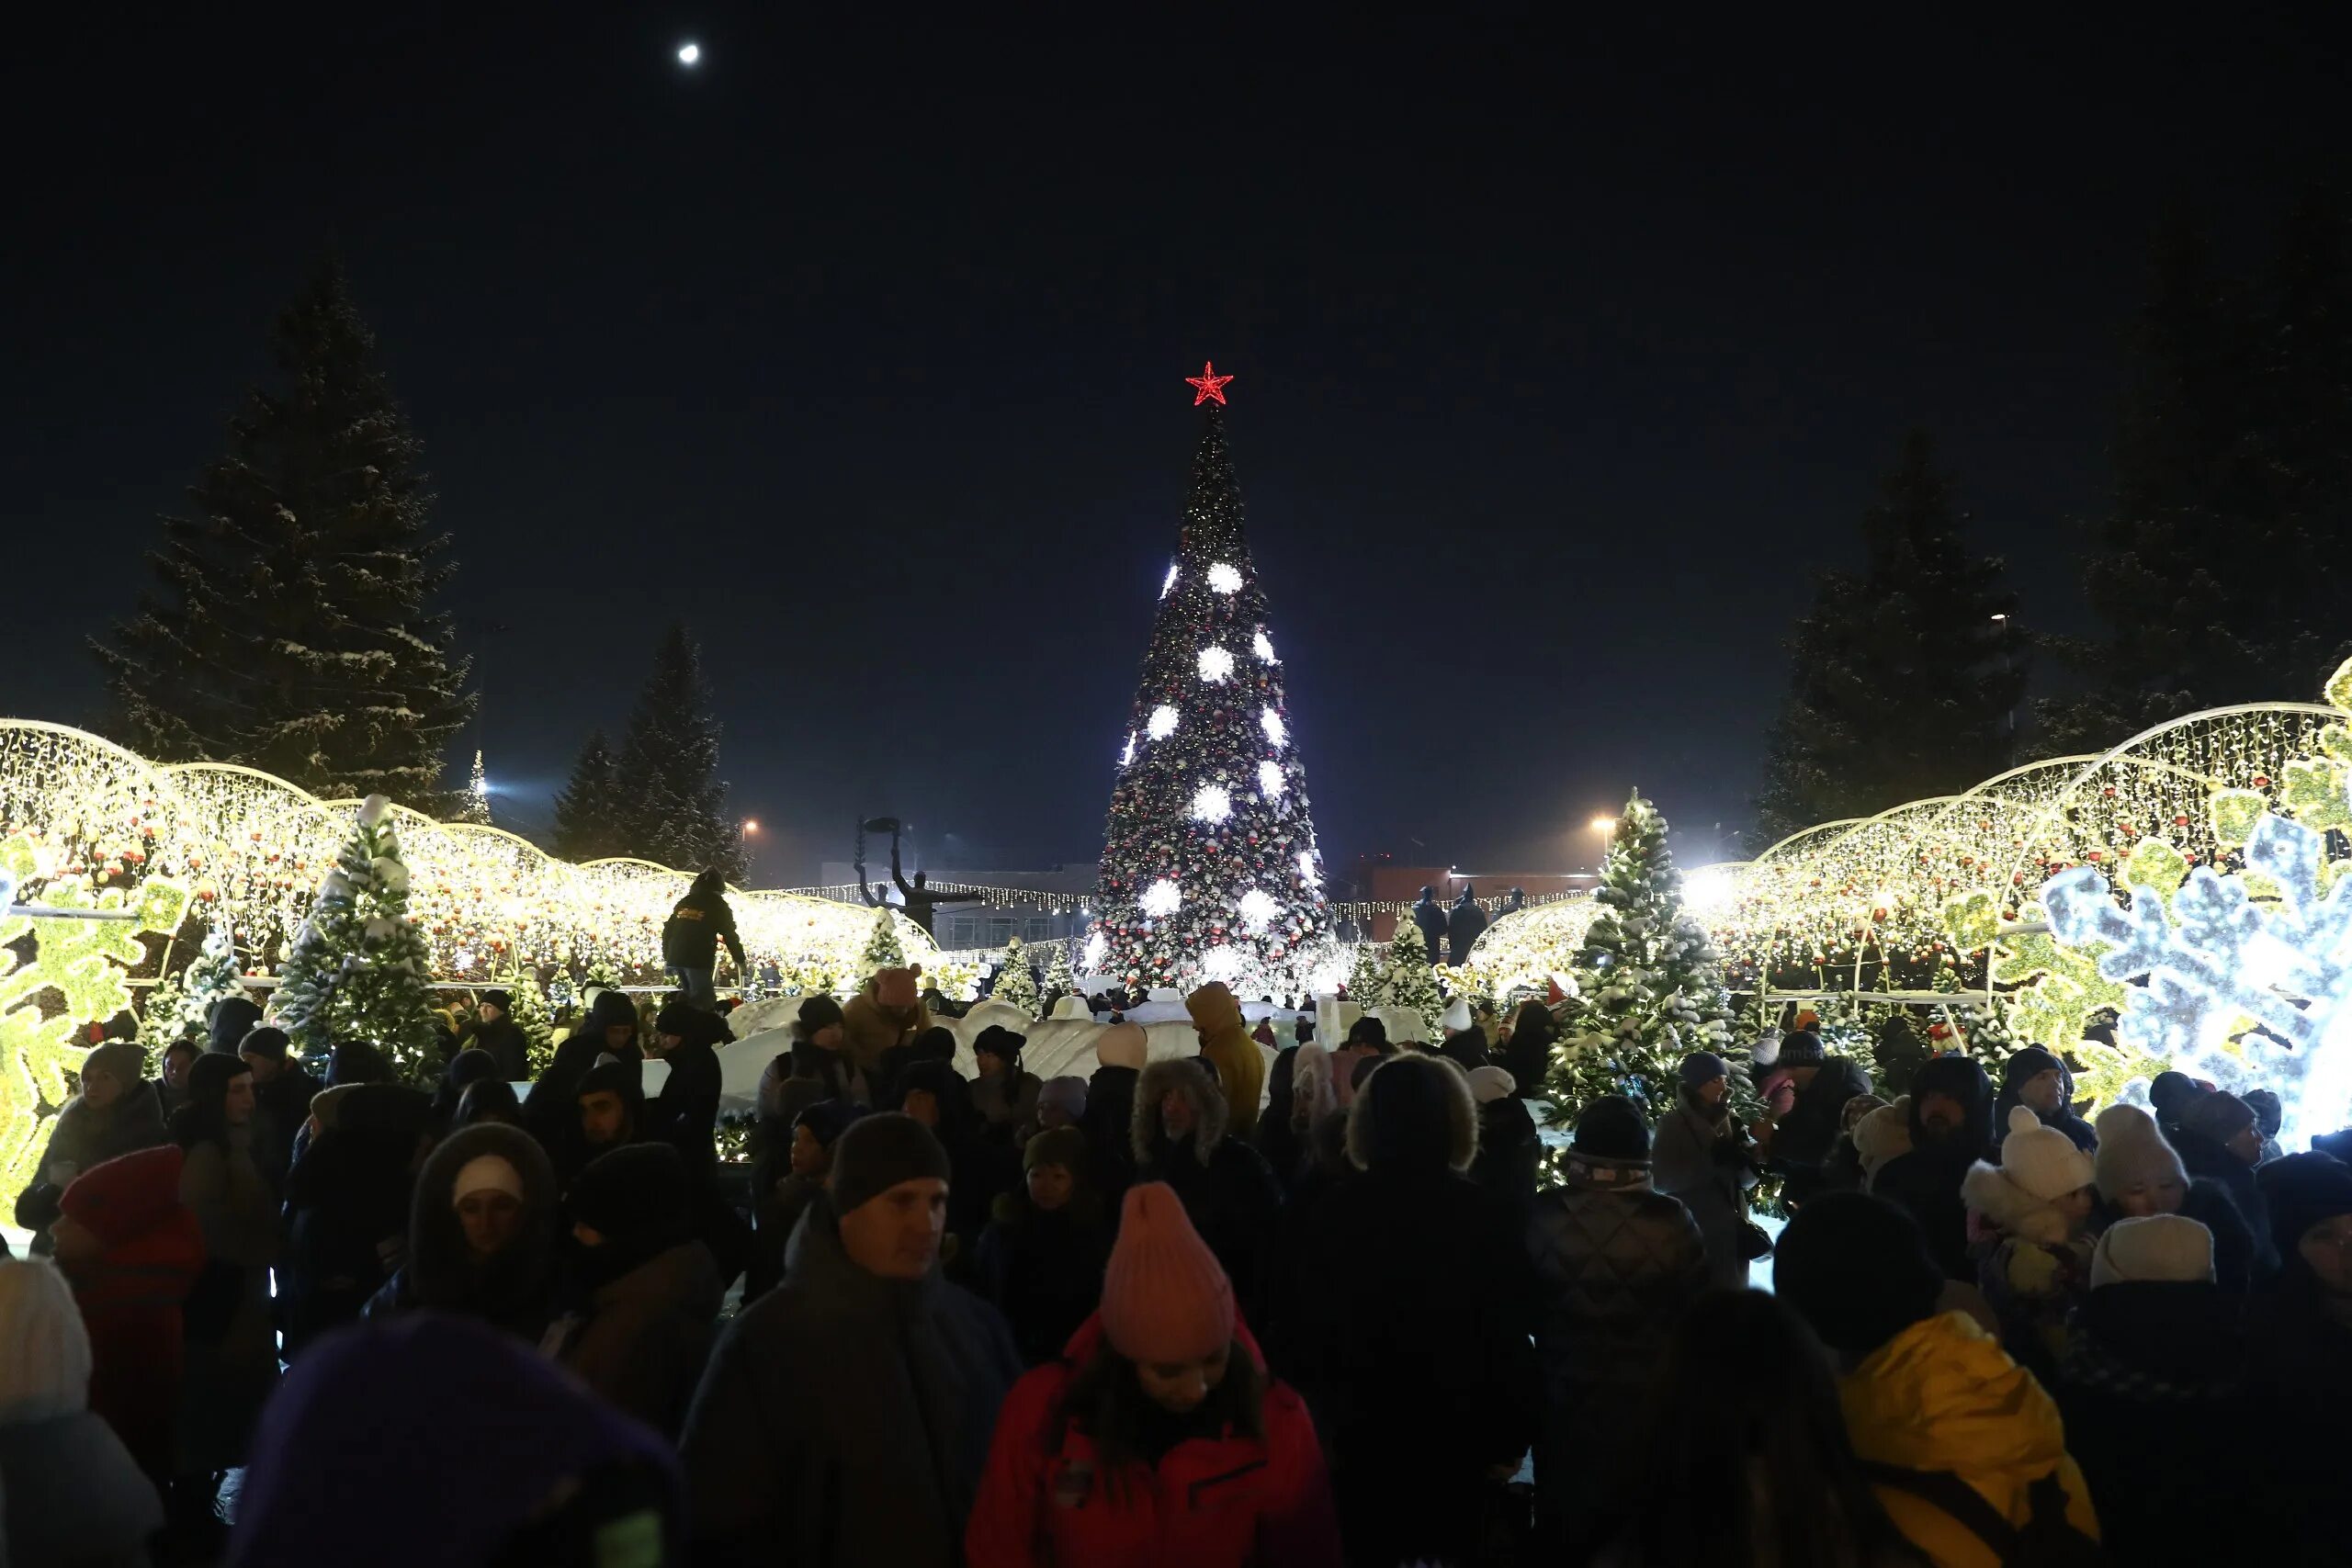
point(689, 53)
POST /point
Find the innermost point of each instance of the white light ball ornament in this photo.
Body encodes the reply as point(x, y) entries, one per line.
point(1162, 723)
point(1221, 963)
point(1162, 897)
point(1270, 780)
point(1213, 803)
point(1264, 646)
point(690, 54)
point(1224, 579)
point(1273, 724)
point(1215, 664)
point(1258, 909)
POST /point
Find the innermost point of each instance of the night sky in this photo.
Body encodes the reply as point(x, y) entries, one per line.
point(1566, 354)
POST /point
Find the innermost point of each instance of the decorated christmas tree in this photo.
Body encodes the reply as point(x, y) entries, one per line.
point(1407, 980)
point(474, 805)
point(883, 948)
point(181, 1007)
point(1210, 870)
point(1058, 978)
point(1649, 987)
point(1015, 983)
point(530, 1015)
point(357, 969)
point(1364, 975)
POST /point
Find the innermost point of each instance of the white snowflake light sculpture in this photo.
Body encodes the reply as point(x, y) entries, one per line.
point(2215, 959)
point(1215, 664)
point(1224, 579)
point(1257, 908)
point(1264, 646)
point(1273, 724)
point(1270, 780)
point(1213, 803)
point(1162, 723)
point(1221, 963)
point(1162, 897)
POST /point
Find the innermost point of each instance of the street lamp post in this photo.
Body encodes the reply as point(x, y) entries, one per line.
point(1607, 828)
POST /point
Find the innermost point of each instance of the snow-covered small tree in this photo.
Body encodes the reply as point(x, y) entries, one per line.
point(1408, 981)
point(180, 1007)
point(530, 1015)
point(1058, 978)
point(357, 968)
point(1650, 987)
point(883, 948)
point(601, 974)
point(1364, 977)
point(1015, 983)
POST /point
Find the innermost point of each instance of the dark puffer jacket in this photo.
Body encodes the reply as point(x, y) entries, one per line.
point(1926, 1182)
point(1703, 1165)
point(1616, 1265)
point(514, 1291)
point(1229, 1192)
point(1800, 1143)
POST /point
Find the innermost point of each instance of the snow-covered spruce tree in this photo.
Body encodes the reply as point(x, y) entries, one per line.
point(1058, 977)
point(1407, 980)
point(1210, 870)
point(293, 628)
point(883, 948)
point(668, 802)
point(1364, 974)
point(587, 809)
point(357, 969)
point(530, 1015)
point(1649, 986)
point(1015, 983)
point(180, 1007)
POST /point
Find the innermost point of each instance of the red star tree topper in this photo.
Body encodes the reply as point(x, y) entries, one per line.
point(1209, 386)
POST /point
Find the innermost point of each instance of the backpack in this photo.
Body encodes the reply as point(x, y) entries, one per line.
point(2047, 1539)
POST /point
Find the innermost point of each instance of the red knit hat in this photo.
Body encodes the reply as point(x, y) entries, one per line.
point(1165, 1296)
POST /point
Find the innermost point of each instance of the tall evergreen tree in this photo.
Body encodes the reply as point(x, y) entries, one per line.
point(1904, 684)
point(294, 628)
point(669, 803)
point(587, 810)
point(1210, 869)
point(473, 805)
point(2216, 569)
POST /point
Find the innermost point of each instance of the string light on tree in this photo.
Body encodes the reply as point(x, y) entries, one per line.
point(1127, 752)
point(1187, 835)
point(1168, 584)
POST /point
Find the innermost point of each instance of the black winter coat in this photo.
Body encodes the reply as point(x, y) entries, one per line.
point(1510, 1152)
point(686, 1114)
point(1615, 1264)
point(1444, 1350)
point(1800, 1143)
point(504, 1040)
point(697, 924)
point(1430, 920)
point(347, 1202)
point(1463, 925)
point(2151, 1386)
point(1926, 1184)
point(1044, 1271)
point(1110, 1114)
point(844, 1418)
point(2207, 1161)
point(283, 1107)
point(1233, 1200)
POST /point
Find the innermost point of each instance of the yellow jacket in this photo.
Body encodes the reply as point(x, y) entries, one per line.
point(1225, 1041)
point(1943, 1394)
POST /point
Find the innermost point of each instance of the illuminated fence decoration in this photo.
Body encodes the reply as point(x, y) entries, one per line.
point(252, 847)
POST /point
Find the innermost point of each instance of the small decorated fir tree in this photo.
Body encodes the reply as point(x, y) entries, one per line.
point(1015, 983)
point(357, 969)
point(530, 1015)
point(1364, 975)
point(473, 806)
point(180, 1007)
point(1058, 978)
point(883, 948)
point(1408, 981)
point(1649, 986)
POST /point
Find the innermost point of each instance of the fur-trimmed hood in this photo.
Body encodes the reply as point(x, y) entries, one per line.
point(1395, 1113)
point(1209, 1113)
point(2004, 1203)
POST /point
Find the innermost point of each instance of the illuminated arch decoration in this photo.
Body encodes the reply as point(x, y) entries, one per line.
point(252, 846)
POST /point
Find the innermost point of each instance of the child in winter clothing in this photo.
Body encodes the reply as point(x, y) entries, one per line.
point(2138, 1174)
point(1041, 1257)
point(1158, 1437)
point(2031, 1216)
point(776, 1210)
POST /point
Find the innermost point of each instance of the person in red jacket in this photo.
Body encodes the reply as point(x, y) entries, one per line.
point(132, 1251)
point(1158, 1438)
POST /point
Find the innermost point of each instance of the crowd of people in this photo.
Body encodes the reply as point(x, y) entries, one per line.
point(1256, 1301)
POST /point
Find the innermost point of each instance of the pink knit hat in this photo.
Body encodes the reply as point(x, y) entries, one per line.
point(1165, 1296)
